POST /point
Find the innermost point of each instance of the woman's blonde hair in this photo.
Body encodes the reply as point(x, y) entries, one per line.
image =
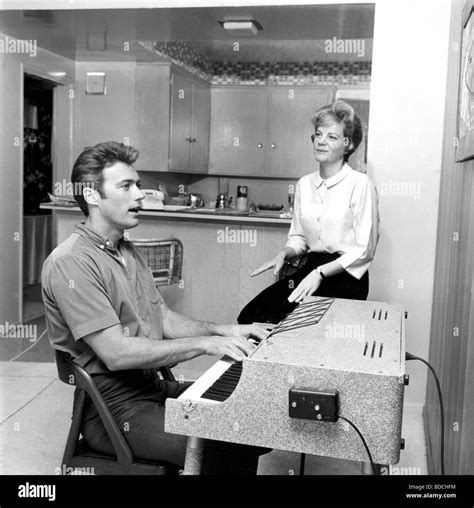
point(344, 114)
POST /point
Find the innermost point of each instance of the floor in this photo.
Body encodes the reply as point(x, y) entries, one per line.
point(35, 409)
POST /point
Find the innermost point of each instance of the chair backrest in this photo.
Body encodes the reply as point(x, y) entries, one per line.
point(164, 257)
point(72, 374)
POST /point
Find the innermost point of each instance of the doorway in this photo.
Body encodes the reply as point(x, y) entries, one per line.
point(37, 182)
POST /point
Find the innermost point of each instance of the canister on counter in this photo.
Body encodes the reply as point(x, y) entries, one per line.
point(242, 199)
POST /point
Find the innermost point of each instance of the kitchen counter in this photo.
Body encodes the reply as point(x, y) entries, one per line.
point(195, 214)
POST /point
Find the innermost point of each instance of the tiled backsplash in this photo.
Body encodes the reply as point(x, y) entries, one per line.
point(291, 73)
point(183, 54)
point(260, 190)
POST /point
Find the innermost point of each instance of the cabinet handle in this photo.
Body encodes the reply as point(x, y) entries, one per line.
point(193, 140)
point(259, 145)
point(273, 145)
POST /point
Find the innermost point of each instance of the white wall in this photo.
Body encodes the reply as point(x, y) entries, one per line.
point(11, 163)
point(406, 124)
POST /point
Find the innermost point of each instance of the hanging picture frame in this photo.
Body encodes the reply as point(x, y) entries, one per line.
point(465, 137)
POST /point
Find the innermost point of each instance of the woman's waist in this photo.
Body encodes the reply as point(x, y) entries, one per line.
point(322, 257)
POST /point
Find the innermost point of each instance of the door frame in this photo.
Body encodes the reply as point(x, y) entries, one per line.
point(58, 80)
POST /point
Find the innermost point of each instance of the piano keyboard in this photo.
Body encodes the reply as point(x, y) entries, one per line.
point(216, 384)
point(222, 389)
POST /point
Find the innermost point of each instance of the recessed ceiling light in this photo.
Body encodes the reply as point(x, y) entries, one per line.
point(241, 25)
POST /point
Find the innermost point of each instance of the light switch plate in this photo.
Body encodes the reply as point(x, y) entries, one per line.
point(95, 83)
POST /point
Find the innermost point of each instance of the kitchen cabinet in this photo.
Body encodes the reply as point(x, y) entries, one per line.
point(216, 274)
point(237, 139)
point(152, 110)
point(264, 131)
point(111, 116)
point(289, 147)
point(189, 126)
point(172, 110)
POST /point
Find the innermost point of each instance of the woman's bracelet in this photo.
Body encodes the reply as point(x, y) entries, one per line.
point(320, 273)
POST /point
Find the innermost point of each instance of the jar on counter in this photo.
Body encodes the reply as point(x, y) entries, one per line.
point(242, 199)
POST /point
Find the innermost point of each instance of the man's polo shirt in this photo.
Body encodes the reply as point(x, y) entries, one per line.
point(88, 286)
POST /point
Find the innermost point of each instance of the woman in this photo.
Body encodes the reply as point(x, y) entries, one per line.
point(335, 221)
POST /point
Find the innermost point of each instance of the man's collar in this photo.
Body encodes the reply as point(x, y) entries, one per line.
point(96, 238)
point(333, 180)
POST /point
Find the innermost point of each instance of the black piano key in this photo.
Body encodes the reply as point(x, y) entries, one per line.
point(218, 398)
point(224, 383)
point(223, 387)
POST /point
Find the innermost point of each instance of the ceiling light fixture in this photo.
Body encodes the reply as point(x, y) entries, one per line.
point(241, 25)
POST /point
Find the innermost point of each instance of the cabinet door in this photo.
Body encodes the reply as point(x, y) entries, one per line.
point(237, 140)
point(152, 106)
point(289, 147)
point(200, 129)
point(180, 128)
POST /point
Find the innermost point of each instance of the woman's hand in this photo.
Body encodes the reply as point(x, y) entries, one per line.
point(306, 287)
point(277, 263)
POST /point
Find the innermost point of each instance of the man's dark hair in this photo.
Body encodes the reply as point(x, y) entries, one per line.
point(89, 166)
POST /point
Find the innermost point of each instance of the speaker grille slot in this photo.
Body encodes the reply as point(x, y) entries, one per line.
point(373, 349)
point(380, 314)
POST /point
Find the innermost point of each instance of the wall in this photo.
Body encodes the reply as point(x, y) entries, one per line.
point(260, 190)
point(452, 321)
point(11, 157)
point(405, 146)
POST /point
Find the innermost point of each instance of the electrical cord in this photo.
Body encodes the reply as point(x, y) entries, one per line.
point(409, 356)
point(375, 471)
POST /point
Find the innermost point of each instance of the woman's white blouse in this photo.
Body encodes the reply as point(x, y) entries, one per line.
point(338, 214)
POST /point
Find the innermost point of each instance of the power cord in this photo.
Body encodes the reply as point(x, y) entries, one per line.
point(409, 356)
point(375, 471)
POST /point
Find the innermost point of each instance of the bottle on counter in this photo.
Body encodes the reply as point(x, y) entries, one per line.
point(291, 203)
point(242, 199)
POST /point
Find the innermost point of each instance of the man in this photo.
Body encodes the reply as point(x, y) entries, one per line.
point(103, 308)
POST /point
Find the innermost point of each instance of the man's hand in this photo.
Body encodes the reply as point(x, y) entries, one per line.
point(258, 331)
point(306, 287)
point(236, 347)
point(277, 263)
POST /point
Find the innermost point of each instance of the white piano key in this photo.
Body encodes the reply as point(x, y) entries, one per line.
point(195, 391)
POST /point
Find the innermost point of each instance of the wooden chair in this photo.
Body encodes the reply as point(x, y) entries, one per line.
point(78, 454)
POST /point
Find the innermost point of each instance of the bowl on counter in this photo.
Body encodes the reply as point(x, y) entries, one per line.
point(194, 200)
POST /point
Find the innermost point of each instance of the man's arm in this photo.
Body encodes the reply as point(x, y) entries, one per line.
point(176, 326)
point(120, 352)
